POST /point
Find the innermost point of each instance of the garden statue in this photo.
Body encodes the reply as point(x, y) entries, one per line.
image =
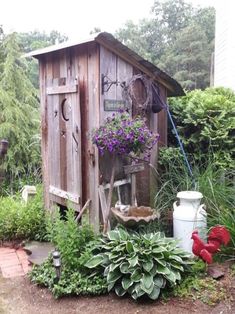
point(218, 235)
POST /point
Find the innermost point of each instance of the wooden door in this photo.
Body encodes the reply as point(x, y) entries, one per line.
point(64, 142)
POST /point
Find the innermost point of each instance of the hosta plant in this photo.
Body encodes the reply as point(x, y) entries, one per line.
point(139, 264)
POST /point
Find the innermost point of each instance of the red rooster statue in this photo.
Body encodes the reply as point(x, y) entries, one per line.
point(218, 235)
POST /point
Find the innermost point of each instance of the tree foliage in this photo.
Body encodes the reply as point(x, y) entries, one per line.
point(36, 40)
point(19, 114)
point(19, 104)
point(179, 38)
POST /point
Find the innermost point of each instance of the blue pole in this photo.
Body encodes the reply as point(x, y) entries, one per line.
point(180, 142)
point(165, 106)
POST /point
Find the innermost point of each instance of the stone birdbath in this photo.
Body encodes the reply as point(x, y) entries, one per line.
point(135, 216)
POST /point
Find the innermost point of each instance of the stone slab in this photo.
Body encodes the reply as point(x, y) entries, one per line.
point(39, 251)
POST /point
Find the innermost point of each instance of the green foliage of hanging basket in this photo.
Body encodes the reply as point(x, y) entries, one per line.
point(124, 135)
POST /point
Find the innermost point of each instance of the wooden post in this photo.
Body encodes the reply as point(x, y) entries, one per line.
point(83, 209)
point(132, 170)
point(133, 190)
point(109, 200)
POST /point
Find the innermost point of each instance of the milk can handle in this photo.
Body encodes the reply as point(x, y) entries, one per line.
point(175, 205)
point(202, 209)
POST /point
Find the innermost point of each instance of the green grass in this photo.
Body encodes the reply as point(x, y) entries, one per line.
point(216, 186)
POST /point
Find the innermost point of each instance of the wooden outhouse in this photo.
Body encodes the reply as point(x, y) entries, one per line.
point(81, 83)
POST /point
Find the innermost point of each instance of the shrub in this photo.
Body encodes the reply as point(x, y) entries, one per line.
point(74, 243)
point(19, 220)
point(206, 123)
point(68, 237)
point(138, 264)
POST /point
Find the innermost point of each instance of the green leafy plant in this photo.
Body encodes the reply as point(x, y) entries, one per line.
point(71, 282)
point(206, 123)
point(68, 236)
point(19, 220)
point(138, 264)
point(74, 243)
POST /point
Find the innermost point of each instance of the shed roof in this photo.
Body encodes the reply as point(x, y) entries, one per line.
point(111, 43)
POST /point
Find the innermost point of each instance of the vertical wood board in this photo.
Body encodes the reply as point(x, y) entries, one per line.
point(108, 67)
point(81, 66)
point(93, 122)
point(44, 132)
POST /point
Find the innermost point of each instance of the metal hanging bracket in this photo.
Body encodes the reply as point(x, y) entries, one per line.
point(106, 83)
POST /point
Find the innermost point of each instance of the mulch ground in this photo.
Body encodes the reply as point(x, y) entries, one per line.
point(19, 296)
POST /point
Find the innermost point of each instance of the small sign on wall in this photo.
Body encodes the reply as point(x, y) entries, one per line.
point(114, 105)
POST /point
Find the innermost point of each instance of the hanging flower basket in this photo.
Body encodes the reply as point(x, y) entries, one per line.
point(123, 135)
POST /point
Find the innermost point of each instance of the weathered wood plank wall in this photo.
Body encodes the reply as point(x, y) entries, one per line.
point(93, 87)
point(44, 132)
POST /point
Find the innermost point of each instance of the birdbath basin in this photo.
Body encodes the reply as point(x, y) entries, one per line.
point(135, 216)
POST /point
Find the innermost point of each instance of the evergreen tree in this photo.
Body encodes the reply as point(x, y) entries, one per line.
point(1, 51)
point(189, 61)
point(19, 114)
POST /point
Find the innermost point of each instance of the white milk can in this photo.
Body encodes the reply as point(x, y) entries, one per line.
point(188, 215)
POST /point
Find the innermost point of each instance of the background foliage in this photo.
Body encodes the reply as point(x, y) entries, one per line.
point(21, 221)
point(19, 106)
point(19, 116)
point(179, 38)
point(206, 123)
point(74, 243)
point(168, 39)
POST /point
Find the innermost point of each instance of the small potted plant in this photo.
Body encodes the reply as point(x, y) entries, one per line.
point(122, 135)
